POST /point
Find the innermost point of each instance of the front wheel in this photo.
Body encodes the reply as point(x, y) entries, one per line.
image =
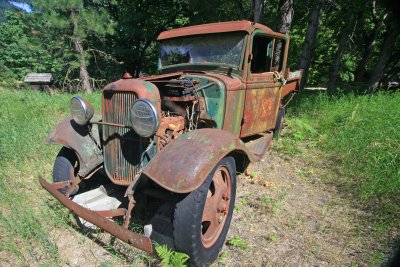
point(203, 217)
point(66, 167)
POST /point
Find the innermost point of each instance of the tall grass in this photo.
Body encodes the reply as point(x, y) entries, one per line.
point(359, 134)
point(25, 217)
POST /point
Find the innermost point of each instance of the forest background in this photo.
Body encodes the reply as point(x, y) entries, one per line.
point(341, 45)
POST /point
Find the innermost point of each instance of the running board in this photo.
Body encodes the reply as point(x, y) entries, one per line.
point(258, 146)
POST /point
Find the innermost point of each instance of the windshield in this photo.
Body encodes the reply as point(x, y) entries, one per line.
point(221, 48)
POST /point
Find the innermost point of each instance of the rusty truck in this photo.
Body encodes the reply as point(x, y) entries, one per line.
point(186, 133)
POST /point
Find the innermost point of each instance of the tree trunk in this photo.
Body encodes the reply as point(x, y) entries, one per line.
point(342, 48)
point(258, 10)
point(285, 21)
point(309, 43)
point(241, 9)
point(83, 73)
point(387, 48)
point(392, 71)
point(371, 41)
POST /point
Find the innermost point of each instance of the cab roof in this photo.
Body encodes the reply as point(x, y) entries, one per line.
point(229, 26)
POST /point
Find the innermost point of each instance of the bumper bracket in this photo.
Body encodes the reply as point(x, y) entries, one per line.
point(137, 240)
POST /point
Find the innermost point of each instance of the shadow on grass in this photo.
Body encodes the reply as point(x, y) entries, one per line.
point(394, 258)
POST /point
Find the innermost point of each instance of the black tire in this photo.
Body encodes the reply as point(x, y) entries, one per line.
point(188, 218)
point(279, 121)
point(65, 167)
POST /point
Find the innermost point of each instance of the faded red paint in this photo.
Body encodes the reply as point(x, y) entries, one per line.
point(263, 96)
point(230, 26)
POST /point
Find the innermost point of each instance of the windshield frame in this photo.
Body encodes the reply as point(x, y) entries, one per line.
point(207, 65)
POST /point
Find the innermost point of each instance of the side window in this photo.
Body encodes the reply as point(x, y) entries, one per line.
point(267, 54)
point(278, 55)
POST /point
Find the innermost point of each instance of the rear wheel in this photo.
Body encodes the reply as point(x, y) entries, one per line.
point(279, 121)
point(203, 217)
point(65, 167)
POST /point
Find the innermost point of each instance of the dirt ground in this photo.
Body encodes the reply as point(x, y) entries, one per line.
point(284, 216)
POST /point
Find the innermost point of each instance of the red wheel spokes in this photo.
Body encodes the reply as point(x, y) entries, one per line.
point(216, 206)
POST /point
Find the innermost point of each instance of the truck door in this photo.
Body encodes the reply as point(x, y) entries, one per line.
point(263, 86)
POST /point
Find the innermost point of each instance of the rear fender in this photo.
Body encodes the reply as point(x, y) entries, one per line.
point(76, 137)
point(184, 164)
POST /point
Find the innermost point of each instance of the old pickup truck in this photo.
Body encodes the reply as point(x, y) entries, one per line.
point(213, 109)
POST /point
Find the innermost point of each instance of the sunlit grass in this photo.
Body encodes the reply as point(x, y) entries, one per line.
point(25, 216)
point(359, 134)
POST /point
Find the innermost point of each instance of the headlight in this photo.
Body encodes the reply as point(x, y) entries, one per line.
point(81, 110)
point(144, 118)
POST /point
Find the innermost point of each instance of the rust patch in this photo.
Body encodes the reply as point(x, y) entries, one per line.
point(230, 26)
point(199, 150)
point(72, 135)
point(263, 98)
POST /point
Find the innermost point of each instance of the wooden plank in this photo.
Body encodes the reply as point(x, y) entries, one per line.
point(39, 78)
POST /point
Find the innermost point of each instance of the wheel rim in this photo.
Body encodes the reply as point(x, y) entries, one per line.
point(216, 208)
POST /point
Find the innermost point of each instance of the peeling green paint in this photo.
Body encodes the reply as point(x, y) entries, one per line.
point(180, 183)
point(232, 146)
point(214, 97)
point(149, 86)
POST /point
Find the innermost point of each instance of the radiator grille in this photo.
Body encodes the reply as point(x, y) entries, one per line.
point(122, 146)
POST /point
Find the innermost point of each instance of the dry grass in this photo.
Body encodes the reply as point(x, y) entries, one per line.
point(298, 220)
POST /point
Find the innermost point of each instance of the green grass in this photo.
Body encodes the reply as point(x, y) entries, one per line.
point(237, 242)
point(356, 138)
point(25, 216)
point(360, 136)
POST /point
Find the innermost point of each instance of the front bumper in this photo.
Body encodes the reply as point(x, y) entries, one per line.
point(99, 218)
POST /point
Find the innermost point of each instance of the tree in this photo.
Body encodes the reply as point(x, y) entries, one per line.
point(345, 36)
point(26, 47)
point(285, 22)
point(389, 42)
point(79, 19)
point(139, 24)
point(258, 10)
point(309, 43)
point(370, 42)
point(5, 6)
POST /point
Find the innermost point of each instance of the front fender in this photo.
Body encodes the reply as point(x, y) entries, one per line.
point(183, 165)
point(76, 137)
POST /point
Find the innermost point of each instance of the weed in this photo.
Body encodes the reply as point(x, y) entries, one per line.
point(243, 202)
point(222, 256)
point(266, 200)
point(273, 237)
point(237, 242)
point(170, 258)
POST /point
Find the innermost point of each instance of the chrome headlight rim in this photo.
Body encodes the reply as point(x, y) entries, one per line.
point(86, 112)
point(155, 117)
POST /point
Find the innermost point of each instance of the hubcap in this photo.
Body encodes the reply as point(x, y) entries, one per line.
point(216, 207)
